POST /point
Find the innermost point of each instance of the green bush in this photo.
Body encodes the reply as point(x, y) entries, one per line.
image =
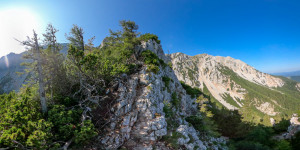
point(175, 100)
point(148, 36)
point(249, 145)
point(172, 140)
point(67, 124)
point(203, 124)
point(22, 121)
point(166, 80)
point(281, 126)
point(153, 68)
point(283, 145)
point(194, 92)
point(150, 58)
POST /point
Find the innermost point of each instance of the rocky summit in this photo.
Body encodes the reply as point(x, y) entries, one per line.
point(140, 120)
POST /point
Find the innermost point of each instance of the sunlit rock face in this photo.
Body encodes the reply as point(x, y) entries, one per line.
point(298, 86)
point(139, 121)
point(211, 71)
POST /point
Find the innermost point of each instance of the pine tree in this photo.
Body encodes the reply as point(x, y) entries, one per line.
point(53, 66)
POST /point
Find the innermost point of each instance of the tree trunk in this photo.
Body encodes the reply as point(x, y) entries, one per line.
point(40, 74)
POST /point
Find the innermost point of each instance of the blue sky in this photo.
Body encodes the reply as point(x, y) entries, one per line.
point(263, 33)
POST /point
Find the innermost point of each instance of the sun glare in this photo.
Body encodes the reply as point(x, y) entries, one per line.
point(16, 23)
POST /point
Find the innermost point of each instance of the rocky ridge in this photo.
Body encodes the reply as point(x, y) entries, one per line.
point(139, 120)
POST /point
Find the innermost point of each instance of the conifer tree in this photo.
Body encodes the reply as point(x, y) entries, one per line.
point(35, 53)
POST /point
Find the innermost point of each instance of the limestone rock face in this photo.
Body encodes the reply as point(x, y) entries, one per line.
point(298, 86)
point(211, 71)
point(139, 121)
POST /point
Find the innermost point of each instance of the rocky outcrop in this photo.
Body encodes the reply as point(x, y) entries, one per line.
point(139, 120)
point(292, 129)
point(206, 71)
point(266, 108)
point(298, 86)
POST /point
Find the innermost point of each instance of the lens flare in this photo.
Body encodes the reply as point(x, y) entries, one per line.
point(6, 61)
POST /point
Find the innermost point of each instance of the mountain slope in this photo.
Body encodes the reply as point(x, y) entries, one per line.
point(237, 85)
point(295, 78)
point(10, 65)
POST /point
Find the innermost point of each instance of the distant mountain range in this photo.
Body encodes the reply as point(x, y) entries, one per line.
point(294, 75)
point(288, 74)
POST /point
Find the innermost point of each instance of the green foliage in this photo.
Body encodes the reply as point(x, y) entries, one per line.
point(282, 126)
point(170, 65)
point(148, 36)
point(64, 121)
point(153, 68)
point(172, 139)
point(283, 145)
point(260, 134)
point(166, 80)
point(203, 105)
point(175, 100)
point(203, 124)
point(295, 142)
point(150, 58)
point(22, 121)
point(170, 116)
point(194, 92)
point(85, 132)
point(249, 145)
point(168, 110)
point(67, 124)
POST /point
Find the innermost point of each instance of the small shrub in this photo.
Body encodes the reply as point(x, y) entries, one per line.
point(150, 58)
point(170, 64)
point(67, 124)
point(281, 126)
point(172, 140)
point(148, 36)
point(166, 80)
point(175, 101)
point(149, 87)
point(153, 68)
point(194, 92)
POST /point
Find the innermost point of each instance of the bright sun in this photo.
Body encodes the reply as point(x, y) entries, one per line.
point(16, 23)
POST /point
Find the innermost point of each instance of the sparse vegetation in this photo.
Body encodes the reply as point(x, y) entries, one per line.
point(194, 92)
